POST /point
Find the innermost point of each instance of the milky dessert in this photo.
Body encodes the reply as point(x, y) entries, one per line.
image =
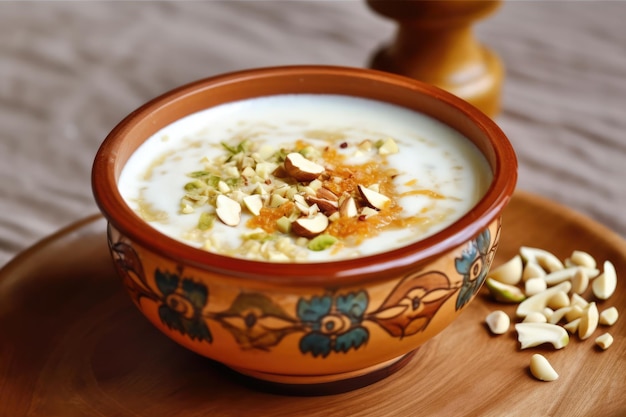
point(304, 178)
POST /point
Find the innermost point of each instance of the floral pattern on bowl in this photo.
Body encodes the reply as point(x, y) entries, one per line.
point(329, 322)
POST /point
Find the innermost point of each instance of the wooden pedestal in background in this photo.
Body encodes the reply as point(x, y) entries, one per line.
point(435, 44)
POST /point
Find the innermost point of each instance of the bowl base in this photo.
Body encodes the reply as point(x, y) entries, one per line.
point(319, 385)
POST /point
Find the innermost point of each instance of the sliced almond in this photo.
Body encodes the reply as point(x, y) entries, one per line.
point(254, 203)
point(277, 200)
point(301, 204)
point(248, 172)
point(535, 334)
point(367, 212)
point(541, 368)
point(348, 208)
point(283, 225)
point(509, 272)
point(223, 187)
point(604, 286)
point(373, 199)
point(588, 321)
point(315, 185)
point(302, 169)
point(265, 169)
point(389, 146)
point(228, 210)
point(310, 226)
point(365, 145)
point(326, 194)
point(327, 207)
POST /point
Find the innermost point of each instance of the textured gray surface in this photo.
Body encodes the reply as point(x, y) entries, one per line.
point(69, 71)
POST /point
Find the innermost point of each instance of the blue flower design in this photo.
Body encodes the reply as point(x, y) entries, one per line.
point(473, 265)
point(182, 303)
point(334, 323)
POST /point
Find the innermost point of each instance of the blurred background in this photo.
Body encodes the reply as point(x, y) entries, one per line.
point(69, 71)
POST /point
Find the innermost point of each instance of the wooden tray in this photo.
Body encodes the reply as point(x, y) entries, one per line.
point(72, 344)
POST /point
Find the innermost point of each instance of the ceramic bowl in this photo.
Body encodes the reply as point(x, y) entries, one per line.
point(326, 327)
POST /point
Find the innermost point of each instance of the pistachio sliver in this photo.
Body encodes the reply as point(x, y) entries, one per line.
point(321, 242)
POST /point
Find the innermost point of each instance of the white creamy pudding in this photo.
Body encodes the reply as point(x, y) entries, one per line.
point(304, 178)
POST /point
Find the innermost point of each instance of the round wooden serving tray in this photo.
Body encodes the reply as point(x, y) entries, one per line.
point(72, 344)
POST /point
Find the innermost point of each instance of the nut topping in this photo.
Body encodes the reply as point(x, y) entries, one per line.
point(302, 169)
point(326, 194)
point(348, 208)
point(373, 199)
point(254, 203)
point(310, 226)
point(327, 207)
point(228, 210)
point(295, 194)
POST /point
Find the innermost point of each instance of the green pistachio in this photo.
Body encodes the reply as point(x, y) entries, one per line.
point(206, 220)
point(321, 242)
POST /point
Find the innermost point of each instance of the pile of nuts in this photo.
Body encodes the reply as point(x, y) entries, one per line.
point(266, 181)
point(551, 305)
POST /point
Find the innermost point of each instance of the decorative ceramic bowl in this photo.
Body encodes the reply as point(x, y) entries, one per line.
point(326, 327)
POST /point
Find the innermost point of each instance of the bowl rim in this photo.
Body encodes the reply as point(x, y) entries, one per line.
point(337, 272)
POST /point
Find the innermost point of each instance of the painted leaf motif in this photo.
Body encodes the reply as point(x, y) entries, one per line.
point(464, 263)
point(166, 282)
point(472, 265)
point(196, 293)
point(171, 318)
point(312, 311)
point(353, 305)
point(197, 329)
point(315, 343)
point(351, 339)
point(483, 241)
